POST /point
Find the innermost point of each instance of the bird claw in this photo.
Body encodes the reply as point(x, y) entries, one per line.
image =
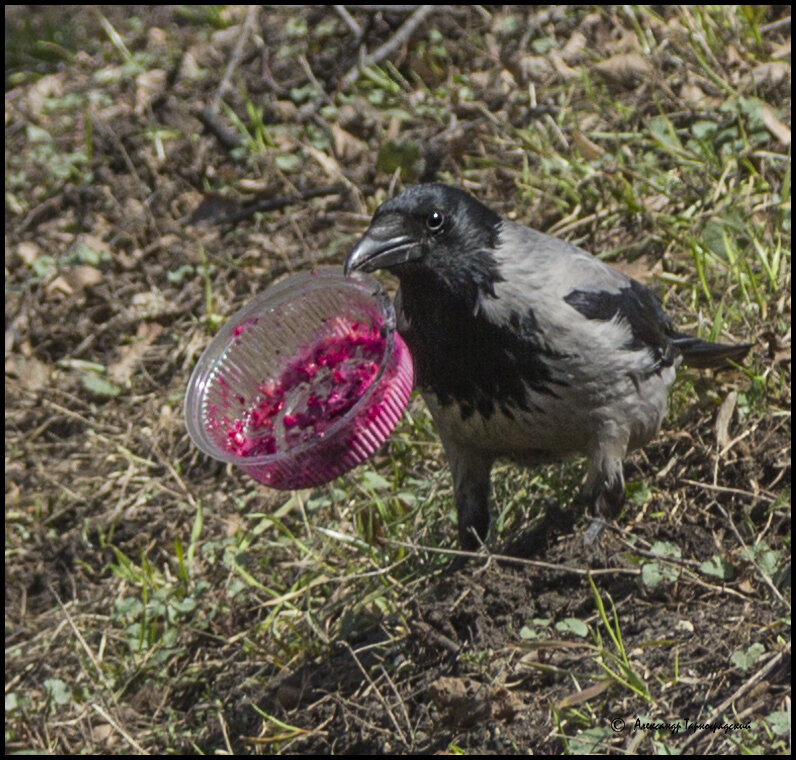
point(594, 532)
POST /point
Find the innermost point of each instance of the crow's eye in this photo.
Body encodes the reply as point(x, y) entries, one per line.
point(435, 221)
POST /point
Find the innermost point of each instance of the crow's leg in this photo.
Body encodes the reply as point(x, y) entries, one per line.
point(471, 484)
point(605, 484)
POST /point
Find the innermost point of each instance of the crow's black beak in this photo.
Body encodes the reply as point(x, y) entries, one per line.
point(383, 246)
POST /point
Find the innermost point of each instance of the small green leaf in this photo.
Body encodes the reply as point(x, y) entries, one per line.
point(127, 608)
point(717, 566)
point(745, 660)
point(296, 26)
point(666, 549)
point(13, 702)
point(638, 493)
point(651, 574)
point(663, 131)
point(704, 130)
point(43, 267)
point(289, 162)
point(590, 742)
point(37, 134)
point(765, 557)
point(572, 625)
point(58, 691)
point(99, 386)
point(82, 253)
point(183, 605)
point(178, 275)
point(372, 481)
point(780, 722)
point(543, 45)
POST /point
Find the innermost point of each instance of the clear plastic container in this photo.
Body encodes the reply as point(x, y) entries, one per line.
point(303, 383)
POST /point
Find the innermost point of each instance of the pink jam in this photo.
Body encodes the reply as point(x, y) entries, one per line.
point(312, 393)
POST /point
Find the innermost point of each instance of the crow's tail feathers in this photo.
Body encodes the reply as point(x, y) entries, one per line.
point(701, 354)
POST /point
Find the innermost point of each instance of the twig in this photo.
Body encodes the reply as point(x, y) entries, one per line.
point(209, 114)
point(350, 22)
point(112, 721)
point(144, 190)
point(214, 124)
point(378, 693)
point(86, 648)
point(429, 632)
point(521, 561)
point(42, 211)
point(775, 26)
point(234, 60)
point(274, 204)
point(305, 64)
point(750, 556)
point(404, 32)
point(725, 489)
point(743, 689)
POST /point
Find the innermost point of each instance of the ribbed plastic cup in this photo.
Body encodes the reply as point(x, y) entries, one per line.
point(303, 383)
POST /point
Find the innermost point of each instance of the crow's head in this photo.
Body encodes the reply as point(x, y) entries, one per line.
point(432, 232)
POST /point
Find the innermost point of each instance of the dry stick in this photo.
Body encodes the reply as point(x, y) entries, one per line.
point(569, 569)
point(113, 722)
point(274, 204)
point(763, 575)
point(209, 114)
point(521, 561)
point(92, 658)
point(350, 22)
point(305, 64)
point(404, 32)
point(214, 124)
point(235, 58)
point(743, 689)
point(144, 191)
point(725, 489)
point(378, 694)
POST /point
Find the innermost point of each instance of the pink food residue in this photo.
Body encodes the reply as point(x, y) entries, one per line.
point(316, 389)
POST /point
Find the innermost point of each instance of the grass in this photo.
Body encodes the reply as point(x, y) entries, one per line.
point(158, 602)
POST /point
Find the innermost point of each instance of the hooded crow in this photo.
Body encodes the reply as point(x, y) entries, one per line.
point(525, 346)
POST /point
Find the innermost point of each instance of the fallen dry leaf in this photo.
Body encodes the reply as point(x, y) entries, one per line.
point(770, 74)
point(694, 95)
point(589, 149)
point(49, 86)
point(122, 370)
point(641, 268)
point(28, 251)
point(464, 701)
point(625, 69)
point(148, 86)
point(723, 419)
point(148, 305)
point(575, 48)
point(82, 276)
point(535, 68)
point(32, 373)
point(775, 126)
point(346, 146)
point(59, 286)
point(584, 695)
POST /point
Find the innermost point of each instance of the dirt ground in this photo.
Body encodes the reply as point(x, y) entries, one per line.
point(138, 218)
